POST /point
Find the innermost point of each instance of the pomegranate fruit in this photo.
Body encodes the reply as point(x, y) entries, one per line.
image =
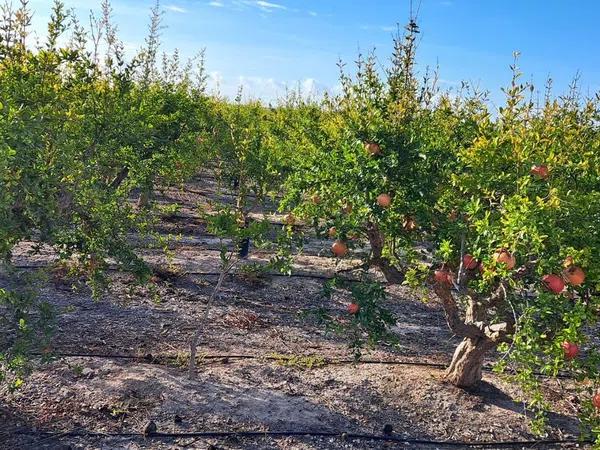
point(553, 283)
point(373, 148)
point(540, 170)
point(570, 350)
point(339, 248)
point(353, 308)
point(443, 276)
point(574, 275)
point(384, 200)
point(596, 400)
point(469, 262)
point(503, 256)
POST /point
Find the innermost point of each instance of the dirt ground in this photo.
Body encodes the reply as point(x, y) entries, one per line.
point(244, 383)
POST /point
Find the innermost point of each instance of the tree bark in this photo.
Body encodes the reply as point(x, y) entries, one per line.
point(478, 335)
point(465, 370)
point(391, 274)
point(124, 173)
point(144, 198)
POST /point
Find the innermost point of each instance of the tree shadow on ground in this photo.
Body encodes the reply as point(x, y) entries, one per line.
point(177, 404)
point(489, 393)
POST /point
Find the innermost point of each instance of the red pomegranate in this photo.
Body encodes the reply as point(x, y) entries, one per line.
point(596, 400)
point(353, 308)
point(503, 256)
point(384, 200)
point(574, 275)
point(443, 276)
point(553, 283)
point(469, 262)
point(339, 248)
point(540, 170)
point(373, 148)
point(570, 350)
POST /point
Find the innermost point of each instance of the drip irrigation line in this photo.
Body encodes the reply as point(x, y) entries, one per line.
point(223, 359)
point(330, 434)
point(271, 221)
point(282, 275)
point(207, 274)
point(208, 194)
point(157, 358)
point(207, 247)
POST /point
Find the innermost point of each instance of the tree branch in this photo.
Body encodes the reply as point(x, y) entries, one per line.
point(377, 243)
point(498, 332)
point(456, 324)
point(200, 328)
point(114, 184)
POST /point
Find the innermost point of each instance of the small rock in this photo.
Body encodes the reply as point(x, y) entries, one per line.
point(150, 428)
point(177, 418)
point(388, 429)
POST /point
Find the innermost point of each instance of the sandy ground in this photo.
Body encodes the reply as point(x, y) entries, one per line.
point(258, 318)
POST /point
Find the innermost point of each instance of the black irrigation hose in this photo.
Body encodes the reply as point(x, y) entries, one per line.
point(274, 274)
point(157, 359)
point(207, 274)
point(334, 434)
point(282, 275)
point(177, 216)
point(208, 194)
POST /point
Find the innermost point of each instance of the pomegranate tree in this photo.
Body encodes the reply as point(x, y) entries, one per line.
point(535, 295)
point(383, 150)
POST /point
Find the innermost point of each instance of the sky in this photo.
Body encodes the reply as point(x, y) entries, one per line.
point(270, 45)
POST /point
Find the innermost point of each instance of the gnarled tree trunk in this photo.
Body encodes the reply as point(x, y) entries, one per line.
point(467, 363)
point(478, 336)
point(391, 274)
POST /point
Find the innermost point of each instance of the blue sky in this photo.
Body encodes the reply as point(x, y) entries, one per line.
point(269, 44)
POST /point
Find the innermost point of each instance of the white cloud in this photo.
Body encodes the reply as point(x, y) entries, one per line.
point(175, 8)
point(263, 88)
point(262, 5)
point(268, 5)
point(449, 82)
point(384, 28)
point(214, 81)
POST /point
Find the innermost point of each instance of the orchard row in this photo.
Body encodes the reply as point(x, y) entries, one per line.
point(497, 212)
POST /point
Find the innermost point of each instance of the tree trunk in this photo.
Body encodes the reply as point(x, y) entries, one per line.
point(124, 173)
point(144, 198)
point(376, 240)
point(391, 274)
point(465, 369)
